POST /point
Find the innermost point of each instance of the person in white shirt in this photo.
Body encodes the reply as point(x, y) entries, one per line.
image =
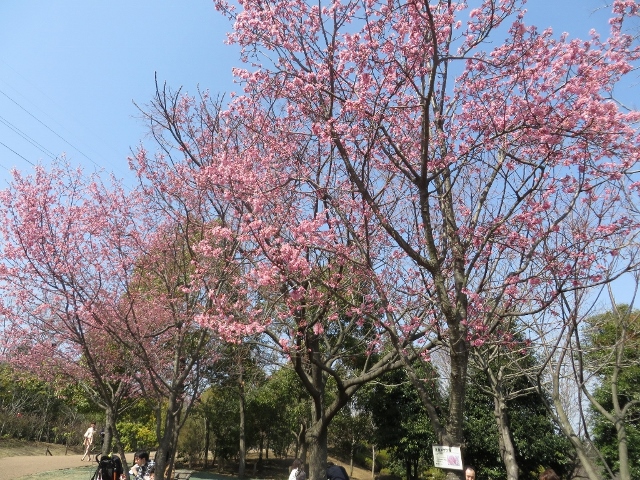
point(88, 440)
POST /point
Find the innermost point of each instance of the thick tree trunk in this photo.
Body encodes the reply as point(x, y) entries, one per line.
point(303, 452)
point(112, 437)
point(165, 452)
point(317, 445)
point(108, 432)
point(301, 444)
point(505, 440)
point(623, 452)
point(459, 351)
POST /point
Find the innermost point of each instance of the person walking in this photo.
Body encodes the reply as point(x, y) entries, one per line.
point(88, 440)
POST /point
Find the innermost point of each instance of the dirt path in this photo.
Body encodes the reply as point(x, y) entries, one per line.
point(17, 467)
point(63, 467)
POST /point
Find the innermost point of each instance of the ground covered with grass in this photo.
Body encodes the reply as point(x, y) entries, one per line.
point(10, 447)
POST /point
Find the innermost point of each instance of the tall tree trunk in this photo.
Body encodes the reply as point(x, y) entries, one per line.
point(301, 445)
point(373, 462)
point(351, 454)
point(166, 449)
point(619, 410)
point(623, 452)
point(459, 351)
point(266, 450)
point(207, 437)
point(505, 440)
point(242, 447)
point(317, 445)
point(112, 437)
point(564, 423)
point(108, 431)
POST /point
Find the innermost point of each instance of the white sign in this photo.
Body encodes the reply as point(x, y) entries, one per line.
point(447, 457)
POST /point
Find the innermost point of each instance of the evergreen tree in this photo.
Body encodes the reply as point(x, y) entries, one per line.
point(536, 439)
point(613, 356)
point(401, 425)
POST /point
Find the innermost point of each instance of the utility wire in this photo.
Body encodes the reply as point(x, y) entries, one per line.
point(57, 105)
point(42, 123)
point(50, 129)
point(28, 138)
point(9, 148)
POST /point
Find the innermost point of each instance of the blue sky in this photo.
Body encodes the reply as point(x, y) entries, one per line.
point(70, 70)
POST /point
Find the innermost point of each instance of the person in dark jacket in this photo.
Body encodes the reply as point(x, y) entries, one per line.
point(336, 472)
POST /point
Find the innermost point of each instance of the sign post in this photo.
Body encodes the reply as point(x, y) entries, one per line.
point(447, 457)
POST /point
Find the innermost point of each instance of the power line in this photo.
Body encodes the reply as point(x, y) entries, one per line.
point(50, 129)
point(34, 142)
point(9, 148)
point(59, 108)
point(28, 138)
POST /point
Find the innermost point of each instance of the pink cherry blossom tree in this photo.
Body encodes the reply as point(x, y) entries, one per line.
point(475, 161)
point(98, 285)
point(293, 289)
point(157, 324)
point(59, 265)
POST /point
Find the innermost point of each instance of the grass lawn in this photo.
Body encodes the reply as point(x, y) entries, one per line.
point(10, 447)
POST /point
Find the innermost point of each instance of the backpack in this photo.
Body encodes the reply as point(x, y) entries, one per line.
point(109, 468)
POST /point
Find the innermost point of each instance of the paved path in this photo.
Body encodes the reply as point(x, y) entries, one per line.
point(16, 467)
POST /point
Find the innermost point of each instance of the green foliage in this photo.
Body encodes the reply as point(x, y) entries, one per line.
point(622, 329)
point(135, 435)
point(191, 440)
point(221, 407)
point(435, 474)
point(383, 458)
point(349, 432)
point(34, 409)
point(537, 441)
point(275, 410)
point(137, 427)
point(401, 424)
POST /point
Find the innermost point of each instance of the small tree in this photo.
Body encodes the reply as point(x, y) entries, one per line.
point(278, 411)
point(537, 442)
point(612, 347)
point(582, 360)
